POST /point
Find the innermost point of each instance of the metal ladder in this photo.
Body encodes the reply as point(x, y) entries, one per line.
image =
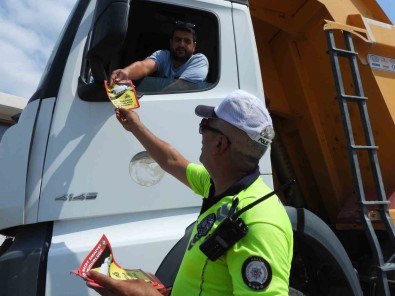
point(383, 267)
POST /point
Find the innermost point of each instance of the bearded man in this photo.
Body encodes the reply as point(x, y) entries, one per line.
point(178, 63)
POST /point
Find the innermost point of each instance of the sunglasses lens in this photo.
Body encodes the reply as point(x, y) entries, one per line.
point(203, 125)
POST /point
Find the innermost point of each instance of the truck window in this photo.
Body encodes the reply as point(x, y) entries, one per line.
point(149, 28)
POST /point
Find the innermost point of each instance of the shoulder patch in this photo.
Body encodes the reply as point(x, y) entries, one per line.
point(257, 273)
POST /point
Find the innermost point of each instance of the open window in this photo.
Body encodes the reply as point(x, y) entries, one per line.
point(120, 37)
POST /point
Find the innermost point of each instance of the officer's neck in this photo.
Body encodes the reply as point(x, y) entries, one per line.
point(223, 179)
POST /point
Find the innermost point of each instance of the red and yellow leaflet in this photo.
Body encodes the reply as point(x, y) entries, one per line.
point(101, 259)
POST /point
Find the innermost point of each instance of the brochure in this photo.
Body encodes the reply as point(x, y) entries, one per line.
point(101, 259)
point(122, 94)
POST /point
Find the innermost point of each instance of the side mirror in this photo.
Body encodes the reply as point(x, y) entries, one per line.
point(108, 32)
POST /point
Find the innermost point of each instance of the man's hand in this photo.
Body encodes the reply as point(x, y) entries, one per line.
point(127, 118)
point(112, 287)
point(118, 75)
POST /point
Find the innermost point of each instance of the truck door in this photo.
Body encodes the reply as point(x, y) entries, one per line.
point(97, 177)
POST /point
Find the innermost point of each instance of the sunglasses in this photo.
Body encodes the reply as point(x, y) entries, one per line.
point(185, 25)
point(203, 125)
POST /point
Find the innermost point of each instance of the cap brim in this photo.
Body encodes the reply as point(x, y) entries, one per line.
point(205, 111)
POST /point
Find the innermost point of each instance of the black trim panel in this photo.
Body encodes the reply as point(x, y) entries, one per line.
point(23, 266)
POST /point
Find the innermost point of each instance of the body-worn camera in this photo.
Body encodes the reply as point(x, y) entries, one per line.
point(223, 238)
point(233, 228)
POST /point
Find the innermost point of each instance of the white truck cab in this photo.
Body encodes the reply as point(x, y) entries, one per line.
point(70, 173)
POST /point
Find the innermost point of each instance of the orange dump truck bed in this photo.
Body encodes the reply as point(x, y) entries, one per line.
point(301, 95)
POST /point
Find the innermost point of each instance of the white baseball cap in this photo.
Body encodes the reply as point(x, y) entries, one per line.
point(242, 110)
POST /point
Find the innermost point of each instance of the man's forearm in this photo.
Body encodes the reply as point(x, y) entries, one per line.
point(135, 71)
point(140, 69)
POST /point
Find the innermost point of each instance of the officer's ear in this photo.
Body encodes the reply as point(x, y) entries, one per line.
point(223, 144)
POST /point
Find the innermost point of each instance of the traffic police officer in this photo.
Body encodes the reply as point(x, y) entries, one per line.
point(235, 135)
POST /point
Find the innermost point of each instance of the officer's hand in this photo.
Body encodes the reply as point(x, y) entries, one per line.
point(128, 118)
point(112, 287)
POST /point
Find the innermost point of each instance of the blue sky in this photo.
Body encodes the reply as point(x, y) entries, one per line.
point(389, 8)
point(28, 32)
